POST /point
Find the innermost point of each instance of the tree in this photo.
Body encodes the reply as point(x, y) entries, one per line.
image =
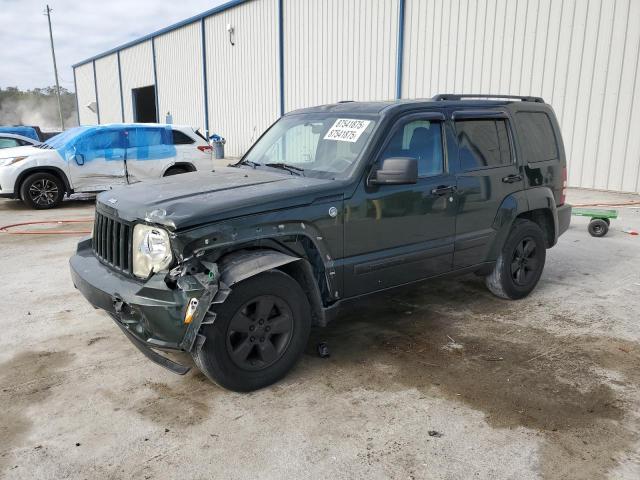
point(38, 107)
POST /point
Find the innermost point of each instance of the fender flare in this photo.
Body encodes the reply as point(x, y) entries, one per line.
point(243, 264)
point(515, 204)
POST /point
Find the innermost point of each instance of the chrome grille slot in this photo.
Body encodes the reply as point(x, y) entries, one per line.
point(112, 242)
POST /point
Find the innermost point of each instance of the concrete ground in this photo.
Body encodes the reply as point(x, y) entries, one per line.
point(442, 380)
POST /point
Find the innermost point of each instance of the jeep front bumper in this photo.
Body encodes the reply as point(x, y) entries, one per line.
point(151, 314)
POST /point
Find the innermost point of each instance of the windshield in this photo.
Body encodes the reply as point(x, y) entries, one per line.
point(60, 140)
point(313, 144)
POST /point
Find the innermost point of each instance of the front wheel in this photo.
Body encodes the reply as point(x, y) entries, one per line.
point(259, 333)
point(520, 262)
point(42, 190)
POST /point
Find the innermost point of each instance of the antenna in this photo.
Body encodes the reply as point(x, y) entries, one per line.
point(55, 67)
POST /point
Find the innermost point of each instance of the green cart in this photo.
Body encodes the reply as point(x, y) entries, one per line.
point(600, 219)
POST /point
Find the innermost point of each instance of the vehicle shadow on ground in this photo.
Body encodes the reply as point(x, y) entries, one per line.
point(450, 339)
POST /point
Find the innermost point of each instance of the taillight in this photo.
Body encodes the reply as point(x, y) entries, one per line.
point(563, 193)
point(204, 148)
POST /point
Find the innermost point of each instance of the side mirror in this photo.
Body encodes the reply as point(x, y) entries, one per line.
point(396, 171)
point(79, 159)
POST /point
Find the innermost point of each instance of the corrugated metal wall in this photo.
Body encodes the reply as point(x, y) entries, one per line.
point(243, 79)
point(180, 76)
point(108, 89)
point(582, 56)
point(339, 50)
point(579, 55)
point(136, 64)
point(86, 93)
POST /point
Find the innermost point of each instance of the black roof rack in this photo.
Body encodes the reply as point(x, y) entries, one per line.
point(459, 96)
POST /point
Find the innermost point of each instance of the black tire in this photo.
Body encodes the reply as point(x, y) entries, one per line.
point(598, 227)
point(520, 262)
point(242, 352)
point(175, 171)
point(42, 191)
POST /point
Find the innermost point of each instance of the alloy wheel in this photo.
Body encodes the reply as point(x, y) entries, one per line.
point(259, 332)
point(43, 192)
point(524, 263)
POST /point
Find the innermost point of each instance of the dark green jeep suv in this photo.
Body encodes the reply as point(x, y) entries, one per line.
point(330, 204)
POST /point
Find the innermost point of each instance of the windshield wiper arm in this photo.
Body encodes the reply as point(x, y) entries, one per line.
point(247, 162)
point(285, 166)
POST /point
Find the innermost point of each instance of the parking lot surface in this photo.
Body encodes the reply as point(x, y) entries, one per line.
point(439, 380)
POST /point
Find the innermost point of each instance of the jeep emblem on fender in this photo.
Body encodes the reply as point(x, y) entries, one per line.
point(333, 212)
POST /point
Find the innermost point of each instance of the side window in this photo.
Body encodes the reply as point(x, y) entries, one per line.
point(9, 142)
point(538, 140)
point(145, 137)
point(483, 143)
point(180, 138)
point(105, 140)
point(422, 140)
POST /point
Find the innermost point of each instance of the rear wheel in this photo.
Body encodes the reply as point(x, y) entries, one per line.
point(259, 333)
point(42, 190)
point(520, 262)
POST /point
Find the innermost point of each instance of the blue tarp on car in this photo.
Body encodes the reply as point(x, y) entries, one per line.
point(112, 142)
point(28, 132)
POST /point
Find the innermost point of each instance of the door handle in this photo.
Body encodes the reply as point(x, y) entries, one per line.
point(443, 190)
point(512, 178)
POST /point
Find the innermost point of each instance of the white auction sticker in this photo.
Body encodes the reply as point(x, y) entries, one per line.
point(347, 130)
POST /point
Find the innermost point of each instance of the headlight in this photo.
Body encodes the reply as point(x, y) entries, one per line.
point(4, 162)
point(151, 250)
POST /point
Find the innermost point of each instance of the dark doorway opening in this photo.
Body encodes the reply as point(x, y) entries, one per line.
point(144, 104)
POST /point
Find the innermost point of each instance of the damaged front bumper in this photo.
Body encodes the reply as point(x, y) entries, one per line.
point(150, 313)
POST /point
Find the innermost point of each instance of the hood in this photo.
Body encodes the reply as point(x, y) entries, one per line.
point(191, 199)
point(24, 151)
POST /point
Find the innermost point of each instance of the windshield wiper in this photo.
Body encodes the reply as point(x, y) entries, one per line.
point(285, 166)
point(247, 162)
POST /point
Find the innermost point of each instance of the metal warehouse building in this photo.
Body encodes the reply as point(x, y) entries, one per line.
point(582, 56)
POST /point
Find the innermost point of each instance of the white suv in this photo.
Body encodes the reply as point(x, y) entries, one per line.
point(97, 158)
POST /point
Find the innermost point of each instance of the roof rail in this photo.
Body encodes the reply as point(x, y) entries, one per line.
point(460, 96)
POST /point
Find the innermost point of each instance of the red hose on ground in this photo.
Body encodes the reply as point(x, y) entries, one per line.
point(5, 228)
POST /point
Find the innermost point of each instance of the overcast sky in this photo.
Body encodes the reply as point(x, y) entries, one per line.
point(81, 29)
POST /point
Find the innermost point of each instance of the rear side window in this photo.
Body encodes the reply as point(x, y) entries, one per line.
point(538, 140)
point(179, 138)
point(147, 137)
point(483, 143)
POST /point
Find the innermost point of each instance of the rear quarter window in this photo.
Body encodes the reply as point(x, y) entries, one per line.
point(538, 139)
point(180, 138)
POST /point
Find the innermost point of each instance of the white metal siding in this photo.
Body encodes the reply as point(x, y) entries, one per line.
point(579, 55)
point(86, 93)
point(339, 50)
point(180, 76)
point(136, 64)
point(243, 80)
point(108, 89)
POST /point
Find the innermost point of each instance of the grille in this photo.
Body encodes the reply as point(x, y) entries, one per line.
point(112, 242)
